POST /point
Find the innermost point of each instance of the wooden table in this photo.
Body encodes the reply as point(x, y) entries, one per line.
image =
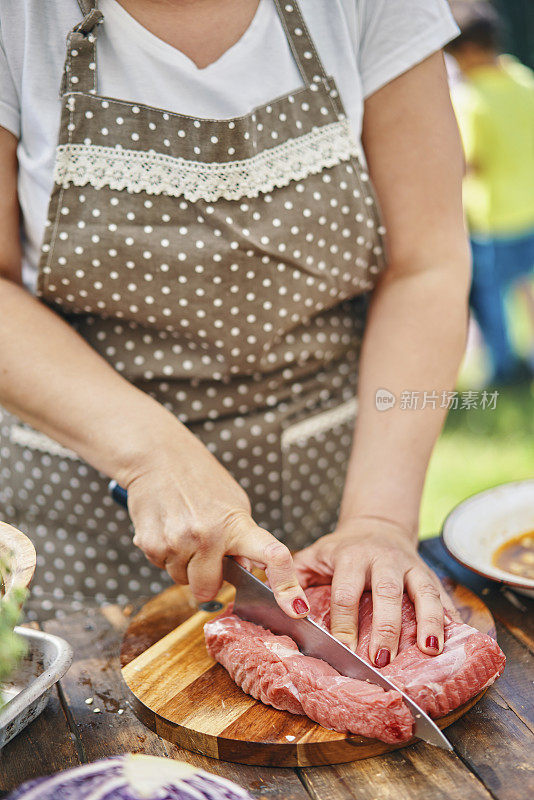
point(494, 742)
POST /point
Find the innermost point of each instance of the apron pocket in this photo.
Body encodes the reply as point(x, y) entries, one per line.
point(315, 455)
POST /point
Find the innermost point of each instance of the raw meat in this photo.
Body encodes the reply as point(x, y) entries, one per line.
point(271, 669)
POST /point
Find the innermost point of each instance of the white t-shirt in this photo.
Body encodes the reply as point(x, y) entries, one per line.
point(363, 45)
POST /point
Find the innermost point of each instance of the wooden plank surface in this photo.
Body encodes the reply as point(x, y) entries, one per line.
point(414, 773)
point(516, 685)
point(494, 742)
point(497, 747)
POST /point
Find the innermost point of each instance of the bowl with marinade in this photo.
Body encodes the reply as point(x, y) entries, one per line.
point(492, 534)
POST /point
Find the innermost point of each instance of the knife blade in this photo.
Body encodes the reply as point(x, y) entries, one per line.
point(255, 602)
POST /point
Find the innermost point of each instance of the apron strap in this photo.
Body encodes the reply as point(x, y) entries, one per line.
point(299, 38)
point(304, 51)
point(87, 5)
point(79, 72)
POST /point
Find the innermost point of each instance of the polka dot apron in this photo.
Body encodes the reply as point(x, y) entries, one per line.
point(222, 266)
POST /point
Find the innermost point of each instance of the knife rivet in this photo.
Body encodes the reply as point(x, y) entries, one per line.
point(212, 605)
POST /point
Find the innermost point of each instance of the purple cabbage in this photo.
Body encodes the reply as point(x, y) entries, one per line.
point(131, 777)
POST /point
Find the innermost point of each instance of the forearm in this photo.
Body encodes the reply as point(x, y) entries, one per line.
point(51, 378)
point(414, 342)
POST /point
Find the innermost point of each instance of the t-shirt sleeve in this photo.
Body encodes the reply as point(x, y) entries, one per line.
point(395, 35)
point(9, 101)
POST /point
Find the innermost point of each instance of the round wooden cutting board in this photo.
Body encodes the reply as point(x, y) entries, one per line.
point(183, 695)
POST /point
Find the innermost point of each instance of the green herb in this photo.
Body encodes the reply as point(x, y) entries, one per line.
point(11, 646)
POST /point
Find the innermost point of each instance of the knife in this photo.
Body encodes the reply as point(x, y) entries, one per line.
point(255, 602)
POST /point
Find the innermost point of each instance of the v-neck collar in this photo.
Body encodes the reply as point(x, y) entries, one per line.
point(174, 56)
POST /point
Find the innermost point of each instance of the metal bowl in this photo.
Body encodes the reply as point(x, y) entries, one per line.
point(27, 691)
point(479, 525)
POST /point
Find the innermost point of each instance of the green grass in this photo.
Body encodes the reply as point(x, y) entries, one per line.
point(478, 449)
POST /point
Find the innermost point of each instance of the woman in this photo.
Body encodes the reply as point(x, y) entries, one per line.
point(210, 244)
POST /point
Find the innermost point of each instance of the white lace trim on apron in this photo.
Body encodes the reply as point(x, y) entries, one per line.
point(320, 423)
point(155, 173)
point(34, 440)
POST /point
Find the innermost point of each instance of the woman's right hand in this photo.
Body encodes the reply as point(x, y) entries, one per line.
point(188, 512)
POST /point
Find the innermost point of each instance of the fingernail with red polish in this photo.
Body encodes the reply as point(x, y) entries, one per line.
point(432, 643)
point(300, 606)
point(382, 658)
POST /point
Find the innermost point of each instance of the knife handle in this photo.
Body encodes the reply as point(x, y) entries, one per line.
point(119, 494)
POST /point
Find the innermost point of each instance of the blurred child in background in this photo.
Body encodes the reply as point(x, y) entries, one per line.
point(494, 103)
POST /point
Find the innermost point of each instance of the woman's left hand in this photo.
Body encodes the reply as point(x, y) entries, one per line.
point(375, 554)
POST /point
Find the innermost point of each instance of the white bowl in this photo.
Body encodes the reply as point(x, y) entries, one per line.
point(479, 525)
